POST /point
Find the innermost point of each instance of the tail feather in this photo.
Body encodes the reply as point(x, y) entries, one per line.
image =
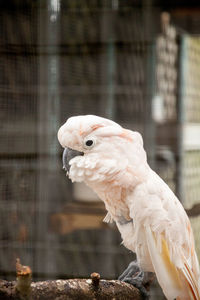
point(166, 272)
point(176, 282)
point(191, 281)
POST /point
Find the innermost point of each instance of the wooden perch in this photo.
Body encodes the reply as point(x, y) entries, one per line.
point(83, 289)
point(194, 211)
point(78, 216)
point(23, 282)
point(63, 223)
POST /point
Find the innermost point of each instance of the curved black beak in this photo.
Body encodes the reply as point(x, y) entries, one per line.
point(68, 154)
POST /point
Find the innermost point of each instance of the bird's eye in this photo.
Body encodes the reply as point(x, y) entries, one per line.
point(89, 143)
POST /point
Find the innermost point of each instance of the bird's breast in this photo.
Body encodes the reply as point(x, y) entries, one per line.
point(114, 199)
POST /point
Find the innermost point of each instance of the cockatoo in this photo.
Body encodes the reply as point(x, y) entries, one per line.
point(112, 161)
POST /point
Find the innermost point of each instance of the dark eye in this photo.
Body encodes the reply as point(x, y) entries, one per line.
point(89, 143)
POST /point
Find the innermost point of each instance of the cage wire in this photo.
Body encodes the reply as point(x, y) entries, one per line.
point(191, 109)
point(18, 110)
point(62, 58)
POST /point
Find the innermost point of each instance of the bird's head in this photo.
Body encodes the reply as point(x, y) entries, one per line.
point(96, 148)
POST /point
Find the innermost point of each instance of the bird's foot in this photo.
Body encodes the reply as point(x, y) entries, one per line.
point(139, 279)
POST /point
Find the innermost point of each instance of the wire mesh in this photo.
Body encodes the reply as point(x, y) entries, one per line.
point(18, 107)
point(166, 72)
point(191, 117)
point(63, 58)
point(59, 61)
point(192, 79)
point(195, 226)
point(191, 170)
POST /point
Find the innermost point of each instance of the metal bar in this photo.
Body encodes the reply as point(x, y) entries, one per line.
point(180, 117)
point(48, 120)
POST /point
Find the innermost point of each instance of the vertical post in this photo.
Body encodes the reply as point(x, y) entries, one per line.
point(108, 36)
point(180, 117)
point(110, 105)
point(53, 78)
point(109, 69)
point(48, 120)
point(149, 123)
point(150, 62)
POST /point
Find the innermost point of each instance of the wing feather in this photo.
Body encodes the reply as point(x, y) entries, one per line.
point(108, 218)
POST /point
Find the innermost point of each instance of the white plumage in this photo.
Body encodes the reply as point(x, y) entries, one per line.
point(150, 218)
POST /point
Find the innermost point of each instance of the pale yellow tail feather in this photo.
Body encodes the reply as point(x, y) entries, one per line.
point(191, 280)
point(166, 272)
point(176, 282)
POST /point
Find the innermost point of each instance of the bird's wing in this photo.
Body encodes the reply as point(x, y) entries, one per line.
point(176, 280)
point(108, 218)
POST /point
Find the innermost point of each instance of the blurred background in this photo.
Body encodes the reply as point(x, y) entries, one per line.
point(134, 61)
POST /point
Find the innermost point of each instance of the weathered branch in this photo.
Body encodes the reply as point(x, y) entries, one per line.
point(71, 289)
point(93, 288)
point(23, 282)
point(194, 211)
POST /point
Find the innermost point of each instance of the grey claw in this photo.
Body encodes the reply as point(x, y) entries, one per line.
point(135, 276)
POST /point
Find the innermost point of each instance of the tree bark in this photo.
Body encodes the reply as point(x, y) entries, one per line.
point(81, 289)
point(93, 288)
point(194, 211)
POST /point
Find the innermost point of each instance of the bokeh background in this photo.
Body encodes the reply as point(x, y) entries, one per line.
point(134, 61)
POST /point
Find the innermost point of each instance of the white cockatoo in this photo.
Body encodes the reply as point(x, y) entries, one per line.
point(112, 161)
